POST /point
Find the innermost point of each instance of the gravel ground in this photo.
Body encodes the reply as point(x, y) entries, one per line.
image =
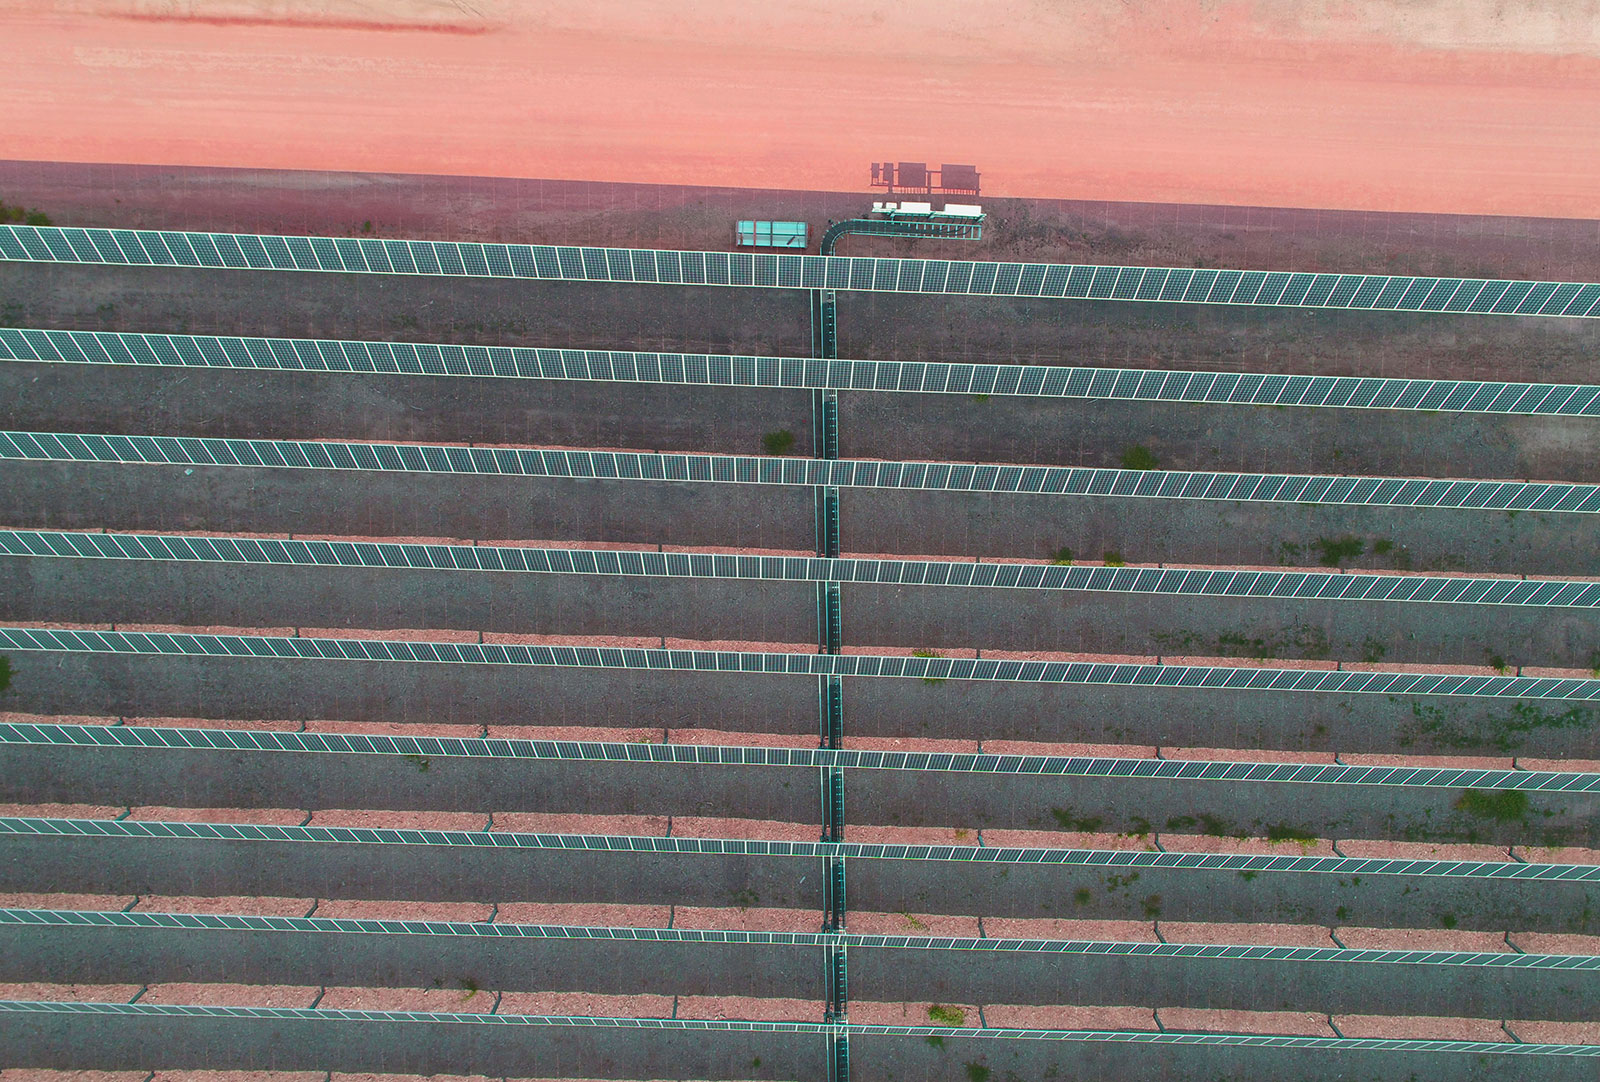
point(1274, 935)
point(747, 1007)
point(1001, 1015)
point(255, 906)
point(69, 993)
point(1195, 1019)
point(231, 995)
point(288, 817)
point(586, 1005)
point(62, 811)
point(454, 1000)
point(913, 1014)
point(1434, 1029)
point(62, 900)
point(869, 923)
point(1421, 939)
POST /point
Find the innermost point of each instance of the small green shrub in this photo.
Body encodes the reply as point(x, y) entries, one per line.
point(1498, 663)
point(1335, 550)
point(1447, 920)
point(744, 899)
point(1065, 820)
point(937, 1042)
point(1113, 558)
point(1372, 651)
point(1249, 875)
point(1504, 805)
point(37, 217)
point(947, 1016)
point(1383, 546)
point(5, 673)
point(929, 653)
point(1138, 457)
point(1342, 913)
point(366, 226)
point(1081, 895)
point(1063, 558)
point(977, 1072)
point(1283, 832)
point(779, 442)
point(1152, 906)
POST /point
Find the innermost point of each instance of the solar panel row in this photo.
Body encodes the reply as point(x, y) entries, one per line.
point(326, 1014)
point(126, 736)
point(500, 558)
point(507, 930)
point(809, 472)
point(855, 665)
point(926, 276)
point(1119, 858)
point(718, 370)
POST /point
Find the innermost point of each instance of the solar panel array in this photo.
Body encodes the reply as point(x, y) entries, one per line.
point(1235, 678)
point(809, 472)
point(468, 847)
point(267, 740)
point(331, 1015)
point(480, 930)
point(800, 373)
point(1329, 586)
point(1278, 289)
point(1500, 870)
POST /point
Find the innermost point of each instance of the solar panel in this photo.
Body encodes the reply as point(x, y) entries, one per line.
point(862, 665)
point(201, 922)
point(480, 1018)
point(834, 473)
point(259, 740)
point(565, 263)
point(966, 854)
point(1330, 586)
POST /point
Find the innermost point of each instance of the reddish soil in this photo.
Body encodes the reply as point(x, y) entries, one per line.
point(69, 993)
point(1380, 850)
point(586, 1005)
point(288, 817)
point(754, 919)
point(61, 811)
point(231, 995)
point(43, 1074)
point(1367, 108)
point(239, 1076)
point(750, 1008)
point(864, 923)
point(1002, 1015)
point(1202, 843)
point(237, 906)
point(584, 914)
point(361, 909)
point(913, 1014)
point(1432, 1029)
point(1556, 854)
point(1196, 1019)
point(456, 1000)
point(1421, 939)
point(634, 826)
point(1270, 935)
point(1120, 931)
point(98, 902)
point(1556, 1032)
point(400, 820)
point(1557, 943)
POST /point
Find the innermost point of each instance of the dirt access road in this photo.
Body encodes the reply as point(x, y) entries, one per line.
point(1468, 106)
